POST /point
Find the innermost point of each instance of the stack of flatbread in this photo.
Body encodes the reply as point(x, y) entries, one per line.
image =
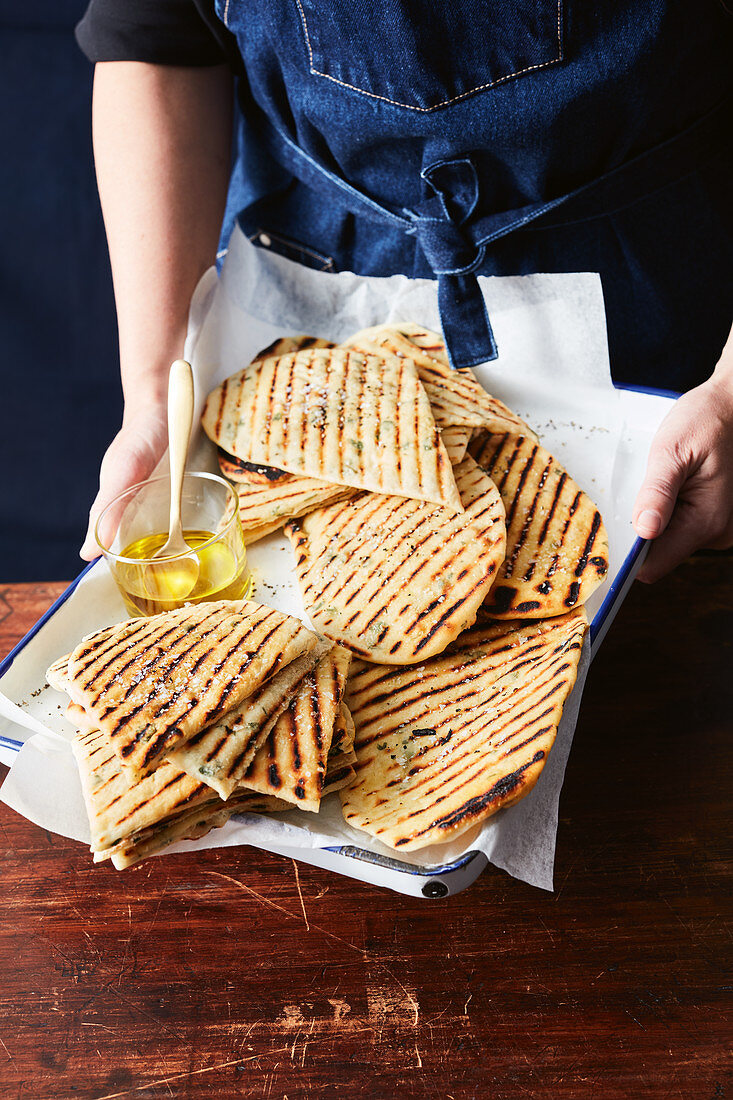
point(434, 539)
point(188, 717)
point(377, 458)
point(440, 543)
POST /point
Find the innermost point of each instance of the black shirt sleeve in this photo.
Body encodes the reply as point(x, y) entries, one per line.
point(163, 32)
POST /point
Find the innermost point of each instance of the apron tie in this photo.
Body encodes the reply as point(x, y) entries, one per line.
point(440, 226)
point(454, 241)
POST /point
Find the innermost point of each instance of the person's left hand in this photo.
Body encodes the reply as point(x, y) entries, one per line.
point(686, 500)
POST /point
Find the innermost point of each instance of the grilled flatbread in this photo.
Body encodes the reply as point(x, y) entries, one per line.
point(57, 675)
point(338, 416)
point(79, 719)
point(557, 546)
point(456, 396)
point(341, 757)
point(445, 746)
point(269, 497)
point(287, 344)
point(291, 764)
point(221, 754)
point(338, 778)
point(117, 804)
point(396, 580)
point(254, 534)
point(150, 684)
point(251, 474)
point(455, 440)
point(342, 742)
point(139, 817)
point(266, 510)
point(188, 825)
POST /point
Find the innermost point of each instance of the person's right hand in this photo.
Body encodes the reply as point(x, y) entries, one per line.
point(131, 457)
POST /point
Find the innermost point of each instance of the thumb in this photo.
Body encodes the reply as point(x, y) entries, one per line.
point(665, 475)
point(109, 488)
point(130, 458)
point(89, 549)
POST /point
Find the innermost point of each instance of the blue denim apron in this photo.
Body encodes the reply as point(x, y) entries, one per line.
point(450, 140)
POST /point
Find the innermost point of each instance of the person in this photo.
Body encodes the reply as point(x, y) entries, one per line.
point(438, 140)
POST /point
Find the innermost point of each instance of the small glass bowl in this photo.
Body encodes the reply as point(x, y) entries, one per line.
point(135, 524)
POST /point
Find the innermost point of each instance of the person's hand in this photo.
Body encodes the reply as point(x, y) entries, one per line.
point(131, 457)
point(686, 500)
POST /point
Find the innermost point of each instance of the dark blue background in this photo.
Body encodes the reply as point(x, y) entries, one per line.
point(61, 397)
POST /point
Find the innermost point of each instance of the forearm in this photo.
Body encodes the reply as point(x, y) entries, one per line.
point(162, 149)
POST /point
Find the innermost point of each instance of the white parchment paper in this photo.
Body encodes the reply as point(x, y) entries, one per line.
point(552, 368)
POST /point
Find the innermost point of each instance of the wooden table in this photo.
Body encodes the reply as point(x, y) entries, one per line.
point(234, 973)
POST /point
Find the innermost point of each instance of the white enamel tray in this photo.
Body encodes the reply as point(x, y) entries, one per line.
point(643, 410)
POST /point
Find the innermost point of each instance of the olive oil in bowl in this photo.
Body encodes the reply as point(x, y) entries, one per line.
point(150, 585)
point(135, 524)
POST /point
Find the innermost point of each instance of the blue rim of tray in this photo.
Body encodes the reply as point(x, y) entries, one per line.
point(349, 850)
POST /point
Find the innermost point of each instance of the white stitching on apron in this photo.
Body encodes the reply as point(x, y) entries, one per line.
point(445, 102)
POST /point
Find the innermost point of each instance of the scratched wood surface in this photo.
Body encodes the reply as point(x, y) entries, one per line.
point(233, 973)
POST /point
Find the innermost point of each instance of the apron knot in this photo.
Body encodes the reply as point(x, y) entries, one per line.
point(448, 250)
point(440, 225)
point(454, 235)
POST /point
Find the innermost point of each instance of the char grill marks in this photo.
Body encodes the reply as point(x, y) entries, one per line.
point(221, 406)
point(557, 547)
point(447, 744)
point(394, 579)
point(341, 756)
point(342, 741)
point(250, 473)
point(221, 753)
point(268, 497)
point(455, 440)
point(117, 806)
point(292, 761)
point(288, 344)
point(456, 397)
point(187, 824)
point(152, 686)
point(339, 416)
point(262, 505)
point(129, 815)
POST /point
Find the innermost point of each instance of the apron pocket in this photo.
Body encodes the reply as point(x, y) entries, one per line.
point(292, 250)
point(421, 55)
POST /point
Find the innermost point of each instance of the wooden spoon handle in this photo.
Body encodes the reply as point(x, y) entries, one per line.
point(180, 419)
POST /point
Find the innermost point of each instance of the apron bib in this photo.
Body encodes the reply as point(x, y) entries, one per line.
point(433, 80)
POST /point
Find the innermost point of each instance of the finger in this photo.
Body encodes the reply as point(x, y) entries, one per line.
point(102, 527)
point(121, 468)
point(90, 547)
point(101, 531)
point(689, 530)
point(665, 474)
point(665, 553)
point(90, 551)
